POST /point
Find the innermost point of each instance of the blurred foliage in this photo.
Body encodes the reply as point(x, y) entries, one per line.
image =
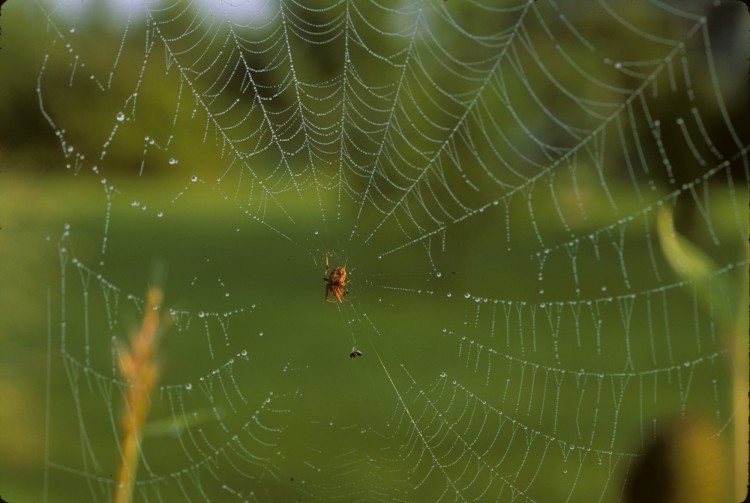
point(684, 463)
point(101, 32)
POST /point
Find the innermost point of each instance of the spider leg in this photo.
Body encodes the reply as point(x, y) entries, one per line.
point(329, 289)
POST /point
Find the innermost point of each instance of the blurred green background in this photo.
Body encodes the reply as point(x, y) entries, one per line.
point(485, 376)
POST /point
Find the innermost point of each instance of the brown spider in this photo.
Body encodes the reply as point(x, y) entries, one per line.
point(336, 282)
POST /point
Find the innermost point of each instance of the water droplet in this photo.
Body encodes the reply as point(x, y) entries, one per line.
point(173, 161)
point(120, 117)
point(160, 214)
point(467, 295)
point(188, 386)
point(193, 178)
point(438, 274)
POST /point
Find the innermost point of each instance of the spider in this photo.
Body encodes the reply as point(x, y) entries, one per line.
point(336, 282)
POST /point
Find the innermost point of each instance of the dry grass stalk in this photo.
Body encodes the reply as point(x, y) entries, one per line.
point(139, 368)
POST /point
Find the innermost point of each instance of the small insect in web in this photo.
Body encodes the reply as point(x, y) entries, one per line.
point(355, 353)
point(336, 282)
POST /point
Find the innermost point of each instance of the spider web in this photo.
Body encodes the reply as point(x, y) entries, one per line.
point(492, 174)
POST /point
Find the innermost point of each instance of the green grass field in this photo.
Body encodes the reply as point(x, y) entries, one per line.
point(501, 384)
